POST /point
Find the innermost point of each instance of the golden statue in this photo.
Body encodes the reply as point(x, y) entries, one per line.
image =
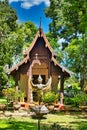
point(41, 87)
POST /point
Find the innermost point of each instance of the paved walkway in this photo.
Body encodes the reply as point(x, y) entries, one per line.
point(12, 113)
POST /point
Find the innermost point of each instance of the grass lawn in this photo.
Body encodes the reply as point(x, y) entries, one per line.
point(67, 122)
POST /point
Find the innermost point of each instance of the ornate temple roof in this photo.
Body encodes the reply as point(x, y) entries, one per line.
point(27, 52)
point(24, 61)
point(40, 34)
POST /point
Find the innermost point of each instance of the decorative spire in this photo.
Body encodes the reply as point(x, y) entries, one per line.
point(40, 23)
point(40, 27)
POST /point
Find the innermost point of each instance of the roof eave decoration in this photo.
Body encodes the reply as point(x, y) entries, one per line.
point(16, 67)
point(32, 44)
point(63, 68)
point(48, 44)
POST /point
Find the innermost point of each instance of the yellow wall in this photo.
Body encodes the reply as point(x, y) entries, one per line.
point(54, 82)
point(24, 83)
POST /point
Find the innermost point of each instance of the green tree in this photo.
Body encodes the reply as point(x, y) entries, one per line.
point(69, 21)
point(7, 24)
point(68, 17)
point(20, 40)
point(75, 59)
point(56, 46)
point(13, 37)
point(55, 13)
point(11, 51)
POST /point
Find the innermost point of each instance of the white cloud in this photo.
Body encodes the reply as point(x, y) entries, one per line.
point(10, 1)
point(26, 5)
point(29, 3)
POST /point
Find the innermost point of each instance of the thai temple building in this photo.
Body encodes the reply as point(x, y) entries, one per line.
point(39, 61)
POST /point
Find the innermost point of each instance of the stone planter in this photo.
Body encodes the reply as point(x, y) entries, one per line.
point(67, 109)
point(2, 107)
point(16, 106)
point(50, 107)
point(84, 110)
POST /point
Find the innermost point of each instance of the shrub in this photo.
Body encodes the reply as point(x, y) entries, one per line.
point(77, 100)
point(49, 97)
point(68, 101)
point(81, 98)
point(11, 95)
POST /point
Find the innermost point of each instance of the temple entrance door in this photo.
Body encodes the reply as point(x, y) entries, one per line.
point(40, 70)
point(35, 79)
point(36, 71)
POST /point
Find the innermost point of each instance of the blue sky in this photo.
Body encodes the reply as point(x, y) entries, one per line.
point(32, 10)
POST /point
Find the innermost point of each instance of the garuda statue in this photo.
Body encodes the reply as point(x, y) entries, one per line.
point(40, 88)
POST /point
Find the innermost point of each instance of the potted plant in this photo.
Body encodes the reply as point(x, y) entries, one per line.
point(68, 101)
point(49, 98)
point(11, 96)
point(22, 96)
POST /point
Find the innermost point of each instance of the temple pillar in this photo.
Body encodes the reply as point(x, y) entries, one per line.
point(62, 89)
point(30, 93)
point(16, 79)
point(16, 87)
point(29, 96)
point(16, 90)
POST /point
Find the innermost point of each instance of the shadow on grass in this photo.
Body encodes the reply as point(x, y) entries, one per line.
point(22, 124)
point(12, 124)
point(81, 125)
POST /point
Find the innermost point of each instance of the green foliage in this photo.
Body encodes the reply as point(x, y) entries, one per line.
point(19, 40)
point(68, 101)
point(53, 41)
point(21, 94)
point(55, 45)
point(76, 58)
point(3, 79)
point(50, 97)
point(81, 99)
point(7, 24)
point(69, 22)
point(55, 13)
point(72, 94)
point(13, 37)
point(11, 82)
point(74, 55)
point(67, 16)
point(12, 95)
point(72, 81)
